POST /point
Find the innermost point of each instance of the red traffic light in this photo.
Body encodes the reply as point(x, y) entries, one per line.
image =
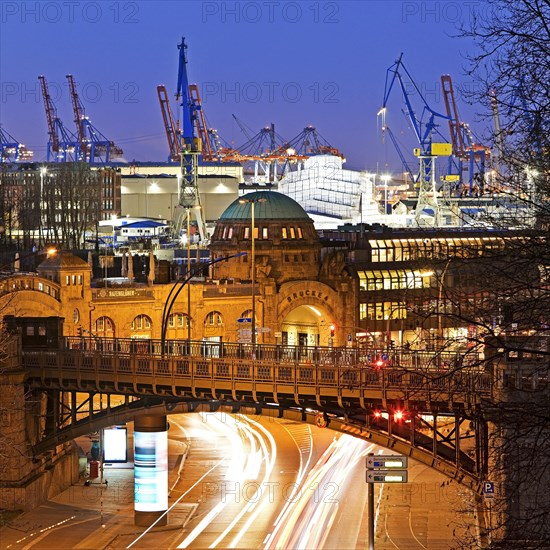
point(332, 329)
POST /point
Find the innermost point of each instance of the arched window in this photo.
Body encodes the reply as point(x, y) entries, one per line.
point(141, 322)
point(247, 314)
point(178, 320)
point(213, 319)
point(104, 327)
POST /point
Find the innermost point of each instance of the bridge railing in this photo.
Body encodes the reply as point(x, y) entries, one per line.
point(217, 367)
point(442, 360)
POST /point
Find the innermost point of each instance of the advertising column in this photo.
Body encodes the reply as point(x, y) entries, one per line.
point(150, 470)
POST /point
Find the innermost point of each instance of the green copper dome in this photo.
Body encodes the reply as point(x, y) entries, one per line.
point(268, 205)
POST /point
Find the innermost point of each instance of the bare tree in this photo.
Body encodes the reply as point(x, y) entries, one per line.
point(502, 293)
point(512, 67)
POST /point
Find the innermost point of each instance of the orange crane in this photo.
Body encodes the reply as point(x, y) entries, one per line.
point(464, 147)
point(171, 129)
point(63, 145)
point(94, 146)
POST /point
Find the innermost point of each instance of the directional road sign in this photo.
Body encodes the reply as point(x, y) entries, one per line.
point(244, 320)
point(387, 476)
point(387, 462)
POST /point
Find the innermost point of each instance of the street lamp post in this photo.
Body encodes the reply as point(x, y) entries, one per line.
point(252, 203)
point(173, 294)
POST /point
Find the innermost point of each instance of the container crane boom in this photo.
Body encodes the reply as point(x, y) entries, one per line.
point(93, 144)
point(169, 126)
point(457, 140)
point(199, 122)
point(51, 114)
point(78, 111)
point(243, 128)
point(63, 145)
point(464, 147)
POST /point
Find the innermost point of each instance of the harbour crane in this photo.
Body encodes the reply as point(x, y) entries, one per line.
point(94, 146)
point(63, 145)
point(310, 142)
point(11, 150)
point(267, 150)
point(428, 150)
point(172, 131)
point(190, 150)
point(464, 147)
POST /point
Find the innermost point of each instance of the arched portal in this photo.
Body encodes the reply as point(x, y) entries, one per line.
point(307, 326)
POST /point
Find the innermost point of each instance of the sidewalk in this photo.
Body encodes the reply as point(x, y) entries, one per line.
point(95, 516)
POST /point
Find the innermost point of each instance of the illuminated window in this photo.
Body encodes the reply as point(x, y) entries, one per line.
point(141, 322)
point(214, 318)
point(104, 326)
point(264, 233)
point(178, 320)
point(247, 232)
point(284, 233)
point(292, 233)
point(299, 230)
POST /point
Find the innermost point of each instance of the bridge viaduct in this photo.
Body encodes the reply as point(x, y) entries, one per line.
point(399, 400)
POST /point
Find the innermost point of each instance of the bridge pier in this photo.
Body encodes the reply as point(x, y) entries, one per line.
point(27, 480)
point(151, 470)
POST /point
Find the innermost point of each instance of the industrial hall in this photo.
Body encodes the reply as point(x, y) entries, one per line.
point(355, 285)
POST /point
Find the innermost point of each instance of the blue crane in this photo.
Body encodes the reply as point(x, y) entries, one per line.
point(11, 149)
point(191, 148)
point(63, 145)
point(427, 151)
point(94, 146)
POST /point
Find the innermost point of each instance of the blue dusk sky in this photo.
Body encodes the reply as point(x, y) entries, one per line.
point(320, 63)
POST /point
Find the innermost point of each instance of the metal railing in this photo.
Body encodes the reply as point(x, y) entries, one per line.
point(278, 370)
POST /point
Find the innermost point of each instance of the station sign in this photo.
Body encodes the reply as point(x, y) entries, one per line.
point(387, 462)
point(244, 320)
point(387, 476)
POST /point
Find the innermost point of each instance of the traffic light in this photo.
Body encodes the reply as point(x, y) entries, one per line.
point(332, 330)
point(79, 331)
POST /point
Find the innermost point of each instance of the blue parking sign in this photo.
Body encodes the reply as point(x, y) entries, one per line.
point(488, 489)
